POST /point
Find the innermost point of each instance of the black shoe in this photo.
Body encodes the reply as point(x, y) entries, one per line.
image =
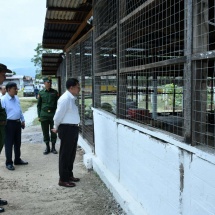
point(54, 151)
point(47, 151)
point(10, 167)
point(3, 202)
point(21, 162)
point(1, 210)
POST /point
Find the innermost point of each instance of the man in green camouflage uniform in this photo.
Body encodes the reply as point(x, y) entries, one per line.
point(3, 118)
point(46, 107)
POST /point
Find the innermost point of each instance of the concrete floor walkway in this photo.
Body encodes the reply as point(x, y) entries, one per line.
point(33, 189)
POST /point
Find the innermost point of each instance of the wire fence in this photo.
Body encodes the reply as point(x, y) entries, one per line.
point(80, 67)
point(150, 62)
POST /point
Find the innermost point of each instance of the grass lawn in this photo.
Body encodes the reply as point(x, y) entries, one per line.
point(26, 103)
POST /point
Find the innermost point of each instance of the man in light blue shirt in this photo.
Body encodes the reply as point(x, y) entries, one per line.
point(15, 121)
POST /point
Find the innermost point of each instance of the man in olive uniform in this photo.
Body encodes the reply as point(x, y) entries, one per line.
point(3, 118)
point(46, 107)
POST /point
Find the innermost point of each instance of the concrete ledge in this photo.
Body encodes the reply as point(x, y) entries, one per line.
point(126, 201)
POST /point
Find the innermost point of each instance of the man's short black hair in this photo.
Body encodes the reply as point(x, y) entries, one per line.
point(71, 82)
point(10, 84)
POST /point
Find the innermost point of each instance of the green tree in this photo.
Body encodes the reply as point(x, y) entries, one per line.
point(37, 59)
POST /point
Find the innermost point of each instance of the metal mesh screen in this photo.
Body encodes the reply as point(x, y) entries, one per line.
point(203, 103)
point(62, 74)
point(75, 63)
point(154, 64)
point(153, 32)
point(105, 55)
point(148, 32)
point(105, 93)
point(154, 97)
point(203, 67)
point(203, 26)
point(105, 15)
point(87, 89)
point(80, 67)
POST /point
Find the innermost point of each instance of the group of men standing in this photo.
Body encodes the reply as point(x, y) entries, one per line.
point(11, 122)
point(55, 115)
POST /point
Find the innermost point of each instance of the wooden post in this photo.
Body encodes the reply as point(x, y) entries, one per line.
point(200, 44)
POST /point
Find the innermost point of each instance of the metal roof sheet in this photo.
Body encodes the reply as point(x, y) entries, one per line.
point(65, 22)
point(50, 63)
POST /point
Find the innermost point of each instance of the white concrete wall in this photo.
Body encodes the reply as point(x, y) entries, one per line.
point(151, 173)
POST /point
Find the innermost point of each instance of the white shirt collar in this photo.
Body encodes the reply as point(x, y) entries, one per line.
point(70, 94)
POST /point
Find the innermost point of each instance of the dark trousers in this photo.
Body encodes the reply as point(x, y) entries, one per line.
point(69, 137)
point(47, 125)
point(2, 136)
point(13, 138)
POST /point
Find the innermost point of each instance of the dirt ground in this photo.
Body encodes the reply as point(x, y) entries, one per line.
point(33, 189)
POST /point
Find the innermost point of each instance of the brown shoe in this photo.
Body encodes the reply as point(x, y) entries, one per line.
point(66, 184)
point(74, 179)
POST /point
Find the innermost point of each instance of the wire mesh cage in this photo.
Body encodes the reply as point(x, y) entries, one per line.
point(105, 15)
point(203, 26)
point(152, 33)
point(87, 89)
point(203, 123)
point(62, 73)
point(80, 67)
point(154, 64)
point(155, 97)
point(105, 54)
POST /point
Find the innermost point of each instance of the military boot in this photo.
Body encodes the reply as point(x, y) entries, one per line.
point(53, 150)
point(47, 149)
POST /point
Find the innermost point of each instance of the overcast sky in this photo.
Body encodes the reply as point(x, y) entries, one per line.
point(21, 29)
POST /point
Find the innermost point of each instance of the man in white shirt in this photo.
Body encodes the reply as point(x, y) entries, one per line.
point(66, 123)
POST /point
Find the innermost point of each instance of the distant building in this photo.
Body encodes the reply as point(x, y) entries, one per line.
point(18, 79)
point(27, 80)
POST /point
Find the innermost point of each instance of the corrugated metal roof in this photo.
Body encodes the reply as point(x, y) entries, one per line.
point(50, 63)
point(65, 22)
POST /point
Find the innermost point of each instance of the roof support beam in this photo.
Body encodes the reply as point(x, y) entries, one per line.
point(58, 31)
point(53, 45)
point(50, 57)
point(82, 10)
point(60, 21)
point(49, 68)
point(56, 38)
point(80, 28)
point(49, 73)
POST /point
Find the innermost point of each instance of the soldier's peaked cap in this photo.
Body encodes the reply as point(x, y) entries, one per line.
point(47, 79)
point(4, 68)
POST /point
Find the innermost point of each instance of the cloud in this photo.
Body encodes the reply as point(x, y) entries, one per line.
point(22, 25)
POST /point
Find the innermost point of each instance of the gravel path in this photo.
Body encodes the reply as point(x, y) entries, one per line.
point(30, 115)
